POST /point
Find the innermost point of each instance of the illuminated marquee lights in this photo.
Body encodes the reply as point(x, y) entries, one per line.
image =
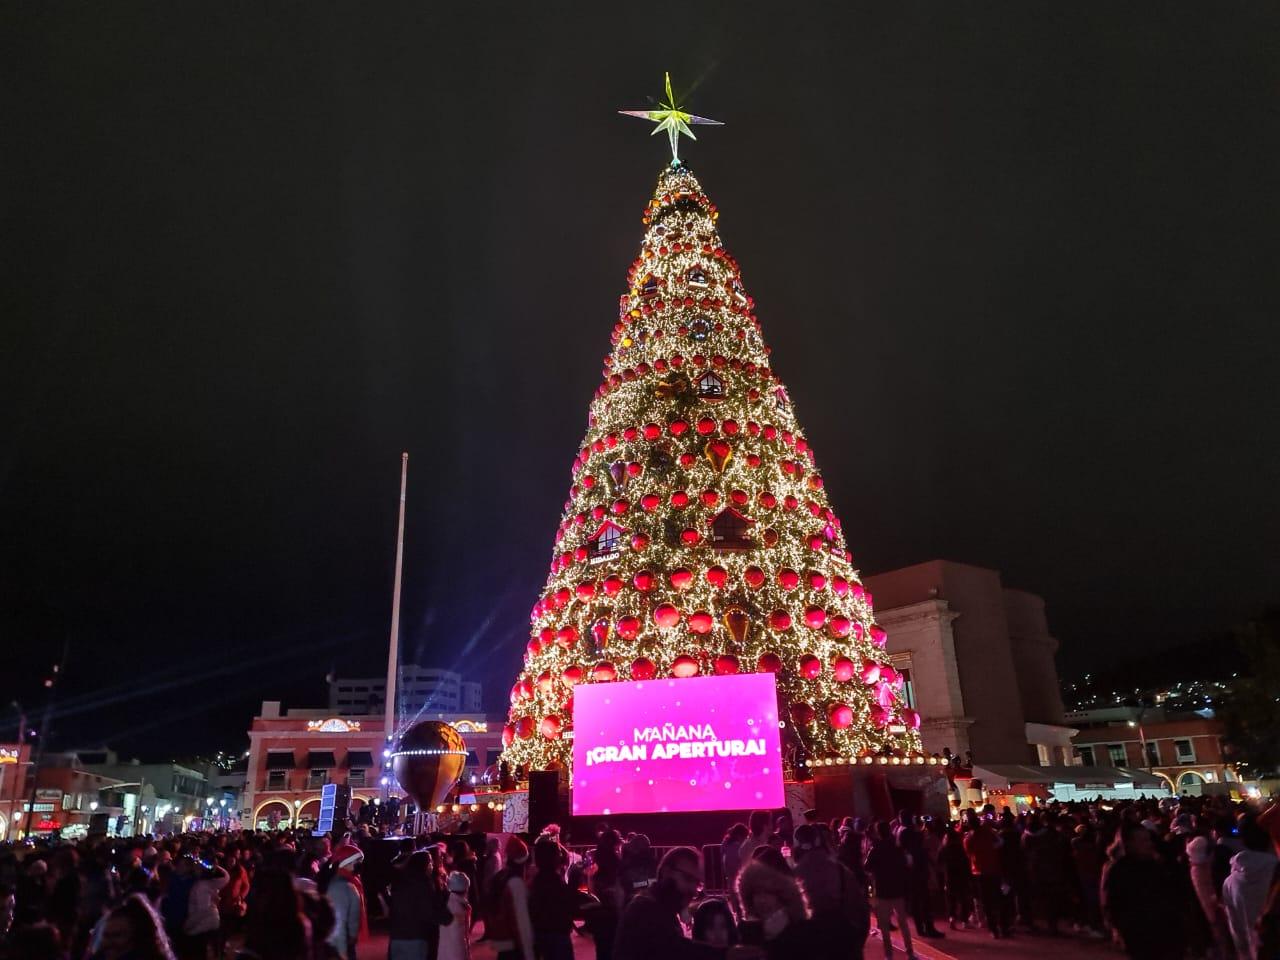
point(333, 725)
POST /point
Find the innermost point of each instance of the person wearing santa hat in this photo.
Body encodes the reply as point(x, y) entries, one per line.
point(340, 883)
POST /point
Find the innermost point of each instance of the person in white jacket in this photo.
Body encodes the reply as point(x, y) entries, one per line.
point(203, 920)
point(346, 895)
point(1245, 891)
point(455, 937)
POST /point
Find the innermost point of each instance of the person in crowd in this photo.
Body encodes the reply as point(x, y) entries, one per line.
point(652, 923)
point(839, 906)
point(982, 844)
point(455, 937)
point(908, 836)
point(340, 884)
point(1047, 857)
point(775, 903)
point(203, 923)
point(509, 926)
point(757, 836)
point(1086, 860)
point(490, 864)
point(414, 910)
point(276, 926)
point(552, 903)
point(1137, 889)
point(955, 878)
point(133, 932)
point(887, 866)
point(715, 924)
point(1245, 891)
point(731, 852)
point(604, 908)
point(1013, 867)
point(639, 865)
point(39, 941)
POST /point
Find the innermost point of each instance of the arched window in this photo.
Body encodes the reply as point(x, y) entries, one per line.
point(606, 542)
point(710, 386)
point(696, 277)
point(730, 530)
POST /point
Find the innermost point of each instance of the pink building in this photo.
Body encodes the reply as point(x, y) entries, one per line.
point(293, 754)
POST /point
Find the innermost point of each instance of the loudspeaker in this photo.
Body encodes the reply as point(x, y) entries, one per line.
point(341, 805)
point(544, 799)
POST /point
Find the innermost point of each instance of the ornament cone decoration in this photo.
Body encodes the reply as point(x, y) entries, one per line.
point(721, 554)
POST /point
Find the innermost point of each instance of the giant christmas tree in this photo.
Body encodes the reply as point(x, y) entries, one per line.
point(697, 538)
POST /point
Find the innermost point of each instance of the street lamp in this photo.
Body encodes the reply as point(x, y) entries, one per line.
point(297, 807)
point(93, 806)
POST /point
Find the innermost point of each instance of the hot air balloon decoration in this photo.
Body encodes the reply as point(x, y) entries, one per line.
point(428, 761)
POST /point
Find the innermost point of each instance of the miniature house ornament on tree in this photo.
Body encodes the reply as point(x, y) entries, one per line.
point(697, 538)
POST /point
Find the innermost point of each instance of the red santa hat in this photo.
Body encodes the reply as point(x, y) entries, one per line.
point(347, 856)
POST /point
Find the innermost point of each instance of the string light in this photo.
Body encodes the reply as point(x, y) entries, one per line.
point(650, 567)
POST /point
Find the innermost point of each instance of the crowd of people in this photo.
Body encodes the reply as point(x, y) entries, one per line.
point(1189, 878)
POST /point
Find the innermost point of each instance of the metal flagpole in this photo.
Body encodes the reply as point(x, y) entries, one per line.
point(393, 651)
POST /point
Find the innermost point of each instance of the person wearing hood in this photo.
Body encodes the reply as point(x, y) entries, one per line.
point(775, 901)
point(455, 939)
point(1138, 893)
point(1245, 891)
point(1200, 866)
point(508, 925)
point(838, 901)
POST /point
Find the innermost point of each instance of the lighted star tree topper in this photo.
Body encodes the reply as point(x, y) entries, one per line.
point(671, 119)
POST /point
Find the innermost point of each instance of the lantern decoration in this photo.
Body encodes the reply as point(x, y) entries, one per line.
point(726, 665)
point(842, 669)
point(810, 667)
point(642, 668)
point(718, 453)
point(737, 623)
point(684, 666)
point(600, 631)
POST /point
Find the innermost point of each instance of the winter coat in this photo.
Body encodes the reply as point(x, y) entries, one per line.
point(890, 874)
point(415, 907)
point(983, 847)
point(1137, 896)
point(651, 931)
point(1243, 895)
point(831, 888)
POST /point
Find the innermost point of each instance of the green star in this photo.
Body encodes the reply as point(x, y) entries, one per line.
point(671, 119)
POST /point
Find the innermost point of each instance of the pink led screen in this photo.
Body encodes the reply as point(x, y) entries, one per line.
point(668, 746)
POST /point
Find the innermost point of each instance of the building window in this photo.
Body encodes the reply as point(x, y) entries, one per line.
point(730, 530)
point(608, 540)
point(1115, 754)
point(275, 780)
point(1153, 754)
point(317, 779)
point(710, 386)
point(1043, 755)
point(1086, 755)
point(356, 778)
point(908, 688)
point(1186, 753)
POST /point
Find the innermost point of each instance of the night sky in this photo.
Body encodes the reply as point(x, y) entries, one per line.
point(1017, 263)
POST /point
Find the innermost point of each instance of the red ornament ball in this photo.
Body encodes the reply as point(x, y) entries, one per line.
point(681, 578)
point(815, 618)
point(754, 577)
point(666, 616)
point(779, 620)
point(810, 667)
point(605, 672)
point(769, 663)
point(685, 666)
point(726, 665)
point(551, 727)
point(802, 714)
point(840, 715)
point(643, 581)
point(842, 669)
point(717, 577)
point(628, 627)
point(700, 622)
point(571, 674)
point(642, 668)
point(524, 728)
point(788, 579)
point(839, 626)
